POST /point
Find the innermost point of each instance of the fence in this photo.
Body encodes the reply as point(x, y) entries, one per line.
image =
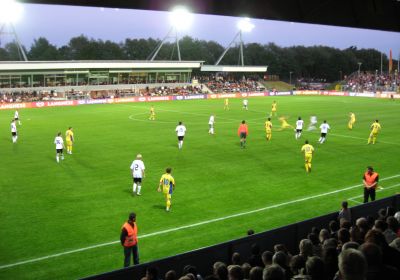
point(289, 235)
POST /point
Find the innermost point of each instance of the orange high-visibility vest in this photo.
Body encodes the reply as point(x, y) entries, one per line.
point(131, 238)
point(370, 178)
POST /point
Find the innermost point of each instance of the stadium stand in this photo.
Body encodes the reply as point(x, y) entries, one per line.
point(359, 247)
point(368, 81)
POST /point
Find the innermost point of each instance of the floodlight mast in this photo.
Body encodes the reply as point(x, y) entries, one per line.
point(172, 34)
point(244, 25)
point(8, 29)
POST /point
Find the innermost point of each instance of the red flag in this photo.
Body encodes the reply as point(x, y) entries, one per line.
point(390, 61)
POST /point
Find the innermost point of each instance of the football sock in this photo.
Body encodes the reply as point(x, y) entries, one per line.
point(138, 189)
point(134, 187)
point(57, 158)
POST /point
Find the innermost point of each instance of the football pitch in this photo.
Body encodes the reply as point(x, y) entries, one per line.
point(62, 221)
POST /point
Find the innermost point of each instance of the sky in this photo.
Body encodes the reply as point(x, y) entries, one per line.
point(60, 23)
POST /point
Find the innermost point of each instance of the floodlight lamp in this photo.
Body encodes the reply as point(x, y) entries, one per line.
point(10, 11)
point(180, 18)
point(245, 25)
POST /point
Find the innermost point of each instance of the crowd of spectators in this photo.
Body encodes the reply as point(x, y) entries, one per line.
point(368, 249)
point(171, 90)
point(367, 81)
point(27, 96)
point(229, 84)
point(311, 84)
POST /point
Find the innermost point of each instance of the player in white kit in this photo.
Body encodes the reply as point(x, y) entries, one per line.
point(324, 130)
point(180, 132)
point(313, 123)
point(245, 104)
point(137, 168)
point(299, 128)
point(16, 117)
point(59, 147)
point(14, 133)
point(211, 124)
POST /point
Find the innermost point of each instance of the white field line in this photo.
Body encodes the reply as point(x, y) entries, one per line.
point(365, 138)
point(191, 225)
point(378, 190)
point(356, 201)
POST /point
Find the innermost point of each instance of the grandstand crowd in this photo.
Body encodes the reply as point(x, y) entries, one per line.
point(368, 249)
point(368, 81)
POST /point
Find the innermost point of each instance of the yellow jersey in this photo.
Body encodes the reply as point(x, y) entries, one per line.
point(352, 117)
point(307, 149)
point(375, 127)
point(69, 135)
point(268, 126)
point(226, 101)
point(168, 183)
point(274, 106)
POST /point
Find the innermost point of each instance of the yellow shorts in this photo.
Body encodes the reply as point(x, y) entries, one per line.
point(69, 143)
point(308, 158)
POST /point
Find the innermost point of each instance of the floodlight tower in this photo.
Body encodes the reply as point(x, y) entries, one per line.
point(244, 25)
point(180, 19)
point(10, 12)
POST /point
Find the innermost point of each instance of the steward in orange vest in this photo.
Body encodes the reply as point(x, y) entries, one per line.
point(129, 240)
point(370, 181)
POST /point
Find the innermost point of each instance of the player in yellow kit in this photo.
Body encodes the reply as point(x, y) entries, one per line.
point(168, 185)
point(308, 153)
point(284, 123)
point(274, 109)
point(152, 114)
point(375, 128)
point(69, 137)
point(351, 121)
point(268, 129)
point(226, 104)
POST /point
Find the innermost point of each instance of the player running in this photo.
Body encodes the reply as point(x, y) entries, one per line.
point(324, 130)
point(284, 123)
point(137, 168)
point(16, 117)
point(59, 147)
point(268, 129)
point(14, 133)
point(308, 153)
point(180, 132)
point(299, 128)
point(168, 186)
point(226, 104)
point(351, 121)
point(152, 116)
point(375, 129)
point(274, 109)
point(69, 138)
point(245, 104)
point(243, 131)
point(313, 123)
point(211, 122)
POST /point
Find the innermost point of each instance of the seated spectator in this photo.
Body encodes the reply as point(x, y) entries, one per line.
point(190, 269)
point(352, 265)
point(256, 273)
point(170, 275)
point(281, 259)
point(220, 271)
point(315, 268)
point(333, 228)
point(297, 264)
point(330, 259)
point(274, 272)
point(306, 248)
point(236, 258)
point(376, 269)
point(246, 267)
point(151, 273)
point(235, 272)
point(392, 230)
point(343, 237)
point(323, 235)
point(350, 244)
point(317, 248)
point(267, 258)
point(255, 257)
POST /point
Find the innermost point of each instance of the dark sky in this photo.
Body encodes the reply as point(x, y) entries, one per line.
point(60, 23)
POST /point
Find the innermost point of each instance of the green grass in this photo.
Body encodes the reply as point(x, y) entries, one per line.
point(48, 208)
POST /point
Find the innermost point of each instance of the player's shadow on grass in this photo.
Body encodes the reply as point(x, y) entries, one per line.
point(158, 206)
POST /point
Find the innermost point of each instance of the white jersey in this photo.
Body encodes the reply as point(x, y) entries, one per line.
point(137, 168)
point(16, 115)
point(13, 127)
point(324, 127)
point(313, 120)
point(180, 130)
point(245, 102)
point(59, 142)
point(211, 121)
point(299, 124)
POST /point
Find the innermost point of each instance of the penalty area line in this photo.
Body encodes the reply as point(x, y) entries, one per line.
point(191, 225)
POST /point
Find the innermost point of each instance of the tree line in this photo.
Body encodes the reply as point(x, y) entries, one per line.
point(319, 62)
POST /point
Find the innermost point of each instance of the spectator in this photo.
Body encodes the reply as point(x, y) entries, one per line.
point(255, 257)
point(350, 244)
point(392, 230)
point(344, 212)
point(151, 273)
point(267, 258)
point(395, 244)
point(274, 272)
point(190, 269)
point(323, 235)
point(333, 228)
point(250, 232)
point(170, 275)
point(330, 259)
point(352, 265)
point(297, 264)
point(317, 248)
point(306, 248)
point(246, 267)
point(343, 237)
point(281, 259)
point(220, 271)
point(256, 273)
point(235, 272)
point(236, 258)
point(315, 268)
